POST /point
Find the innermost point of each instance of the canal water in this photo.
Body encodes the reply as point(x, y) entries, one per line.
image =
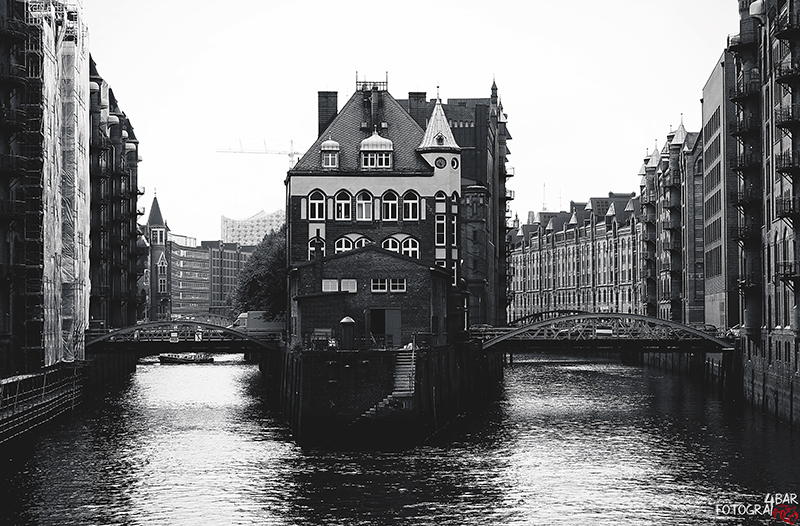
point(572, 441)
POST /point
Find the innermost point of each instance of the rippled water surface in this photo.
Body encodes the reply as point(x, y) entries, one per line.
point(573, 441)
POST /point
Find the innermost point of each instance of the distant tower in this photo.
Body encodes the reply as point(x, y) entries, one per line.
point(159, 265)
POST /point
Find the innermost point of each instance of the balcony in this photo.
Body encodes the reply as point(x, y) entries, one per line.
point(787, 73)
point(13, 74)
point(509, 195)
point(649, 237)
point(745, 125)
point(745, 160)
point(748, 233)
point(748, 281)
point(670, 180)
point(672, 244)
point(786, 26)
point(787, 270)
point(787, 162)
point(742, 42)
point(787, 117)
point(787, 207)
point(671, 201)
point(647, 197)
point(746, 197)
point(648, 218)
point(671, 225)
point(12, 164)
point(745, 90)
point(13, 119)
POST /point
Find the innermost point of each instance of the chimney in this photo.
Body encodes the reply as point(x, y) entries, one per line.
point(416, 107)
point(374, 114)
point(327, 109)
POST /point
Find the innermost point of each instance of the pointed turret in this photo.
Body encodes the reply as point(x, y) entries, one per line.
point(438, 135)
point(155, 218)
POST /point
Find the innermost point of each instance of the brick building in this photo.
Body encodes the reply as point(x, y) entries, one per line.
point(227, 260)
point(766, 93)
point(114, 248)
point(479, 127)
point(583, 259)
point(44, 192)
point(373, 223)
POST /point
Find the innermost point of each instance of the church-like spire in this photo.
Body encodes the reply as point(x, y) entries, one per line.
point(438, 135)
point(155, 218)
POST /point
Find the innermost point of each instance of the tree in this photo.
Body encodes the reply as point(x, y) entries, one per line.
point(262, 281)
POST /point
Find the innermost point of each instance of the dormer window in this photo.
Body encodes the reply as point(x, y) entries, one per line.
point(376, 152)
point(376, 159)
point(330, 153)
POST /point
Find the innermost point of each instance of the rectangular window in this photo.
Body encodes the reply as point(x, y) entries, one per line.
point(364, 209)
point(441, 233)
point(397, 285)
point(162, 285)
point(453, 229)
point(330, 285)
point(389, 210)
point(410, 210)
point(376, 159)
point(329, 159)
point(343, 209)
point(349, 285)
point(316, 210)
point(379, 285)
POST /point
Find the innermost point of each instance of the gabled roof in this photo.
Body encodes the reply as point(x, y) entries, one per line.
point(346, 129)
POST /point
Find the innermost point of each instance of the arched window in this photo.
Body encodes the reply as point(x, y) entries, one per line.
point(364, 206)
point(362, 242)
point(410, 206)
point(390, 206)
point(410, 247)
point(343, 244)
point(392, 244)
point(343, 206)
point(316, 206)
point(312, 247)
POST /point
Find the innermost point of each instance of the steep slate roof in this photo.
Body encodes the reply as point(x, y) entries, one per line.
point(155, 218)
point(438, 135)
point(345, 128)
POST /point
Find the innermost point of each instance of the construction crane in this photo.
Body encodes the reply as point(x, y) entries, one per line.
point(291, 152)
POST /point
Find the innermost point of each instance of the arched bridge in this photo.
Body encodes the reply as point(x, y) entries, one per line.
point(611, 332)
point(176, 336)
point(544, 315)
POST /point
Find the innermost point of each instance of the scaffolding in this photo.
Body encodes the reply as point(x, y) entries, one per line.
point(58, 66)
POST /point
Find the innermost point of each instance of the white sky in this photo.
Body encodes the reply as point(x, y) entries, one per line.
point(588, 86)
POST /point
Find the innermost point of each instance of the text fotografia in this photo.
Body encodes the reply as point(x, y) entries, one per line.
point(782, 507)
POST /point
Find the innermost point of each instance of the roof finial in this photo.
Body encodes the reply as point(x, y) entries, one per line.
point(437, 93)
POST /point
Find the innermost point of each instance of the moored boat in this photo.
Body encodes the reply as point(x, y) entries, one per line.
point(193, 357)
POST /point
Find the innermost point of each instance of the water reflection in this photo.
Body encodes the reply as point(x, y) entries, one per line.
point(572, 441)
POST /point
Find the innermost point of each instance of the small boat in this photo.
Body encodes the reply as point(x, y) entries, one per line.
point(188, 357)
